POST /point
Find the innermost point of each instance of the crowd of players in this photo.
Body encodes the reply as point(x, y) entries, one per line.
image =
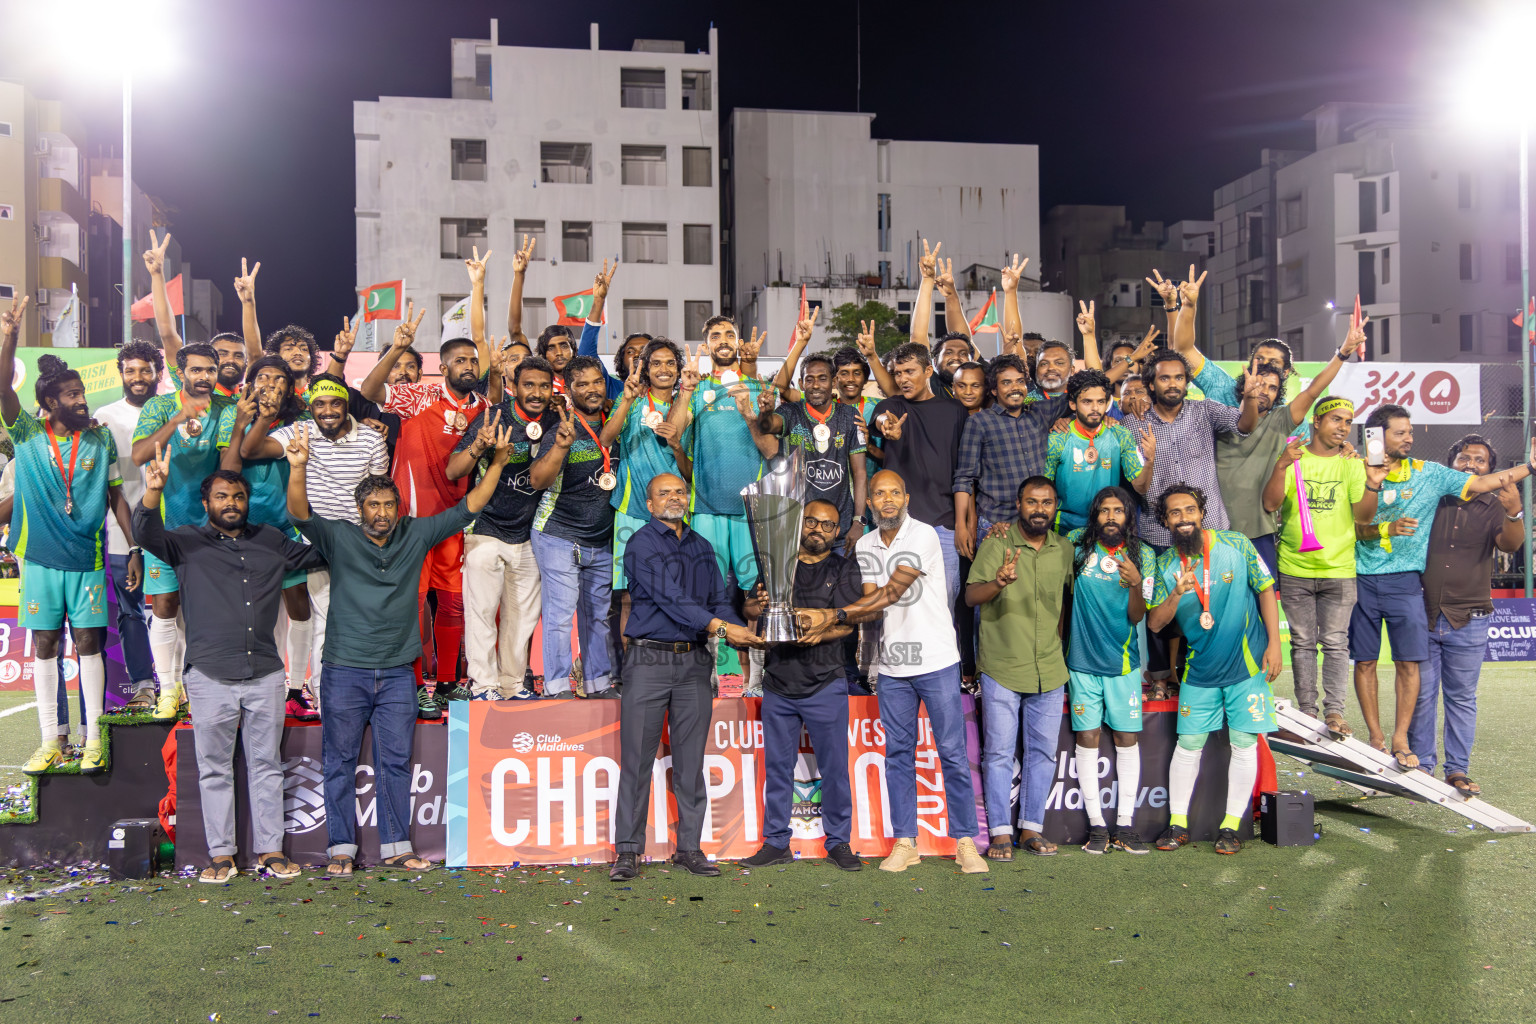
point(1054, 539)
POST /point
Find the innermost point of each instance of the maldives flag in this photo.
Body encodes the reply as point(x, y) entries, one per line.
point(144, 309)
point(1526, 320)
point(573, 309)
point(382, 301)
point(986, 320)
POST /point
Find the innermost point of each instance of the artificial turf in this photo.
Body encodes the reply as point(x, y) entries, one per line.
point(1399, 912)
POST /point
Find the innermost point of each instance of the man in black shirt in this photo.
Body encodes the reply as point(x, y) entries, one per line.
point(678, 600)
point(573, 534)
point(920, 435)
point(803, 684)
point(499, 567)
point(830, 435)
point(232, 586)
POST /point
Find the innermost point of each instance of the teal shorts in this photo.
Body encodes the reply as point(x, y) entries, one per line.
point(624, 527)
point(159, 578)
point(732, 541)
point(48, 595)
point(1100, 699)
point(1248, 706)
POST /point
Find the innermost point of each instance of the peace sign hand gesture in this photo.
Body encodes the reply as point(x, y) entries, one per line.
point(604, 280)
point(1008, 572)
point(890, 426)
point(1087, 324)
point(808, 316)
point(688, 377)
point(1189, 291)
point(158, 469)
point(633, 386)
point(1013, 273)
point(751, 346)
point(485, 437)
point(565, 433)
point(1168, 290)
point(1130, 573)
point(154, 256)
point(345, 338)
point(927, 266)
point(245, 284)
point(268, 402)
point(405, 331)
point(1355, 338)
point(476, 265)
point(1186, 582)
point(524, 254)
point(944, 274)
point(866, 339)
point(10, 321)
point(298, 447)
point(1148, 445)
point(503, 440)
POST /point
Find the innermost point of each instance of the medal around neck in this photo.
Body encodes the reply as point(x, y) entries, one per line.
point(775, 507)
point(534, 431)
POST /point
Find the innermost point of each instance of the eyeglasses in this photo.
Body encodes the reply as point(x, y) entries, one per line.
point(824, 525)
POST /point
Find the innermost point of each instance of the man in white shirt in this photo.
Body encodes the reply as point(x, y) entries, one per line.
point(918, 660)
point(140, 365)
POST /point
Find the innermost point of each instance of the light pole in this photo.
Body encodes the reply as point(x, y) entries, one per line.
point(127, 206)
point(1525, 326)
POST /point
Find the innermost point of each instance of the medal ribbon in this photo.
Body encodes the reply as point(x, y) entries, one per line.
point(607, 463)
point(1078, 429)
point(522, 417)
point(460, 407)
point(58, 457)
point(1205, 570)
point(820, 417)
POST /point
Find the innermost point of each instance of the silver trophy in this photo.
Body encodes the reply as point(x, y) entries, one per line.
point(775, 508)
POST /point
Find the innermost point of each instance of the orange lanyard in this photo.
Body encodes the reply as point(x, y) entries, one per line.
point(58, 457)
point(1205, 570)
point(607, 463)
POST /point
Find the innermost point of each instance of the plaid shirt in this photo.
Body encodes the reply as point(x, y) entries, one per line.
point(1186, 454)
point(998, 452)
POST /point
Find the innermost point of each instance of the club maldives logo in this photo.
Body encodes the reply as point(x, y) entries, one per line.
point(527, 742)
point(303, 795)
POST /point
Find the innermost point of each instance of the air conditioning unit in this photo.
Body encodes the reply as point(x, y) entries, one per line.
point(44, 147)
point(44, 233)
point(42, 297)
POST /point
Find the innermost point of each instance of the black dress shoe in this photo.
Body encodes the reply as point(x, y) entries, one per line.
point(769, 855)
point(624, 868)
point(843, 856)
point(696, 863)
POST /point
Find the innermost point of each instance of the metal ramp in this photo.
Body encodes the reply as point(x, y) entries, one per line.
point(1373, 771)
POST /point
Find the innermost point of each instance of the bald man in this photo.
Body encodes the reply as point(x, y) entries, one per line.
point(678, 601)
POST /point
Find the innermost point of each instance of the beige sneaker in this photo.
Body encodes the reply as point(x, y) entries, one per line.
point(967, 859)
point(904, 855)
point(168, 707)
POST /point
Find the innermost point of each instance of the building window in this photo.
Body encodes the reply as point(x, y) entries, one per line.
point(1464, 190)
point(1255, 300)
point(883, 221)
point(533, 230)
point(643, 165)
point(1515, 330)
point(1468, 332)
point(1367, 206)
point(1512, 263)
point(5, 129)
point(1386, 337)
point(1367, 278)
point(697, 246)
point(1465, 261)
point(483, 72)
point(1386, 266)
point(696, 92)
point(937, 321)
point(1386, 195)
point(565, 163)
point(645, 243)
point(645, 88)
point(447, 302)
point(1293, 338)
point(459, 236)
point(646, 316)
point(468, 159)
point(698, 168)
point(1255, 236)
point(1293, 280)
point(7, 291)
point(1293, 215)
point(1226, 297)
point(576, 241)
point(535, 316)
point(696, 312)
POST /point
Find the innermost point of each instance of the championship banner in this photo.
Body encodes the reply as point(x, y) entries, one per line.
point(537, 783)
point(97, 368)
point(304, 798)
point(1431, 392)
point(17, 653)
point(1512, 630)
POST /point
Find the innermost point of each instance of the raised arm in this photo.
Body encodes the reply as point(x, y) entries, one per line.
point(784, 380)
point(520, 261)
point(1352, 342)
point(613, 426)
point(1143, 351)
point(955, 321)
point(476, 267)
point(341, 348)
point(866, 344)
point(1087, 326)
point(245, 415)
point(1013, 324)
point(165, 320)
point(372, 386)
point(767, 444)
point(587, 346)
point(10, 330)
point(461, 463)
point(144, 447)
point(298, 460)
point(245, 288)
point(1493, 481)
point(149, 527)
point(922, 308)
point(1182, 334)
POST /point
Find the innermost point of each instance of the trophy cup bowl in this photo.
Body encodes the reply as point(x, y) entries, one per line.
point(775, 506)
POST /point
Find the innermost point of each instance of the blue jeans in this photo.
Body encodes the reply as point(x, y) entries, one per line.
point(1455, 661)
point(577, 580)
point(951, 561)
point(384, 698)
point(939, 692)
point(824, 715)
point(1003, 711)
point(132, 627)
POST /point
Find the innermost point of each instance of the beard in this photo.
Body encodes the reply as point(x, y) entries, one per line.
point(373, 528)
point(138, 394)
point(1187, 541)
point(1036, 525)
point(74, 418)
point(1169, 398)
point(815, 543)
point(890, 523)
point(231, 519)
point(671, 512)
point(230, 374)
point(1112, 535)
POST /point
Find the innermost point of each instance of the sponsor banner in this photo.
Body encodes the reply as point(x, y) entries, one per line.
point(1067, 822)
point(538, 783)
point(1512, 630)
point(304, 798)
point(17, 653)
point(1431, 392)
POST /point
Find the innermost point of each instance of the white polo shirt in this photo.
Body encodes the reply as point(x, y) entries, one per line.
point(919, 632)
point(337, 467)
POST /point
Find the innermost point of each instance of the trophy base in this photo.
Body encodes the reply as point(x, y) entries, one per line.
point(779, 624)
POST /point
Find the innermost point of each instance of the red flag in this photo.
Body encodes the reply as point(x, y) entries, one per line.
point(795, 330)
point(144, 309)
point(1528, 321)
point(573, 309)
point(383, 301)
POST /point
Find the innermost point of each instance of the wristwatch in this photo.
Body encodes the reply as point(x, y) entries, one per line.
point(842, 613)
point(1516, 517)
point(720, 632)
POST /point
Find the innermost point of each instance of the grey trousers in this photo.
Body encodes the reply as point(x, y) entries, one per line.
point(253, 709)
point(1318, 614)
point(662, 686)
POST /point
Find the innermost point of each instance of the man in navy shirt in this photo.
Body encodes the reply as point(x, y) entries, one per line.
point(678, 600)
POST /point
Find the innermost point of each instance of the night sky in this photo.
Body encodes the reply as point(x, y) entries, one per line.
point(1149, 105)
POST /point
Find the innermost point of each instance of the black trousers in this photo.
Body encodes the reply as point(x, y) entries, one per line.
point(660, 686)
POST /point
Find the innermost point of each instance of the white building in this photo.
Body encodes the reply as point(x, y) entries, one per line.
point(596, 153)
point(1421, 221)
point(815, 200)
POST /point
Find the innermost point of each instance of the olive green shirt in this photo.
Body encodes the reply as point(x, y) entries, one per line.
point(1020, 643)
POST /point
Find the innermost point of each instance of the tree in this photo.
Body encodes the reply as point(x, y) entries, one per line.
point(844, 326)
